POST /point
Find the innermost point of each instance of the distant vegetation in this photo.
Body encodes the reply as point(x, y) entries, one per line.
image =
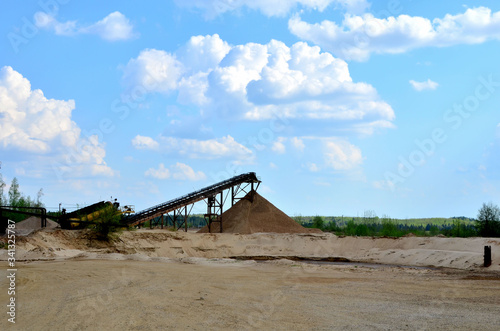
point(194, 221)
point(487, 225)
point(17, 199)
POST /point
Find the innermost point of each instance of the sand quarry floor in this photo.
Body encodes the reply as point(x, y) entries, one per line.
point(161, 280)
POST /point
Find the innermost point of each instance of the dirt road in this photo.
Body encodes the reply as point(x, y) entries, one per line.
point(203, 294)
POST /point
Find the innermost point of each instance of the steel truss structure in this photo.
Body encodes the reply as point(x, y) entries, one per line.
point(176, 218)
point(176, 211)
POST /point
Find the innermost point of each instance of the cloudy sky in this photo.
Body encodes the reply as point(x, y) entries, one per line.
point(340, 106)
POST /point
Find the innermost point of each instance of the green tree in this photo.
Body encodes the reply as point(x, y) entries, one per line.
point(14, 193)
point(488, 220)
point(318, 222)
point(39, 196)
point(17, 199)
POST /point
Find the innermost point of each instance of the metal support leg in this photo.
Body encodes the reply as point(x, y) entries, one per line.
point(186, 218)
point(221, 204)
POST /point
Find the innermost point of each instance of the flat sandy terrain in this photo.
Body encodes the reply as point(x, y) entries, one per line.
point(163, 280)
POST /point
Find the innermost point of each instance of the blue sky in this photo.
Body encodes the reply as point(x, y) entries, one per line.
point(340, 106)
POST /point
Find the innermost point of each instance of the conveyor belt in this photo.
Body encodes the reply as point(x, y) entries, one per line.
point(188, 199)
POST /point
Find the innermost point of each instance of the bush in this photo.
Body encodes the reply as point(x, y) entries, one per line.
point(109, 222)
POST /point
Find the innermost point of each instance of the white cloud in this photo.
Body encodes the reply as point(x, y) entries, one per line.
point(360, 36)
point(154, 70)
point(178, 171)
point(259, 82)
point(225, 147)
point(160, 173)
point(213, 8)
point(37, 126)
point(203, 53)
point(279, 146)
point(182, 171)
point(334, 152)
point(341, 155)
point(142, 142)
point(113, 27)
point(368, 128)
point(425, 85)
point(29, 121)
point(298, 144)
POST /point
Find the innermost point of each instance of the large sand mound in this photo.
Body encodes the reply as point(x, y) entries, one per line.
point(254, 214)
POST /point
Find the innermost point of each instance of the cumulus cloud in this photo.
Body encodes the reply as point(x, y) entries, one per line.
point(425, 85)
point(160, 173)
point(342, 155)
point(31, 123)
point(260, 81)
point(213, 8)
point(322, 153)
point(178, 171)
point(113, 27)
point(154, 70)
point(142, 142)
point(359, 36)
point(279, 146)
point(225, 147)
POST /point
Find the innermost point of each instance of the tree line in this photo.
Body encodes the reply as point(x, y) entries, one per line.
point(487, 224)
point(17, 199)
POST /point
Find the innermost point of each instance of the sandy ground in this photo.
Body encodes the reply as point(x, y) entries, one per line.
point(145, 244)
point(163, 280)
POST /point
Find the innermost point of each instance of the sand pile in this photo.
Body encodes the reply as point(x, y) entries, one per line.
point(254, 214)
point(31, 224)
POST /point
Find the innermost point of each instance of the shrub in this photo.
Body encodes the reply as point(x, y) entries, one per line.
point(109, 222)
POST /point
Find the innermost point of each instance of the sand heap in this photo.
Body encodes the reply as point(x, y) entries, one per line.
point(31, 224)
point(254, 214)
